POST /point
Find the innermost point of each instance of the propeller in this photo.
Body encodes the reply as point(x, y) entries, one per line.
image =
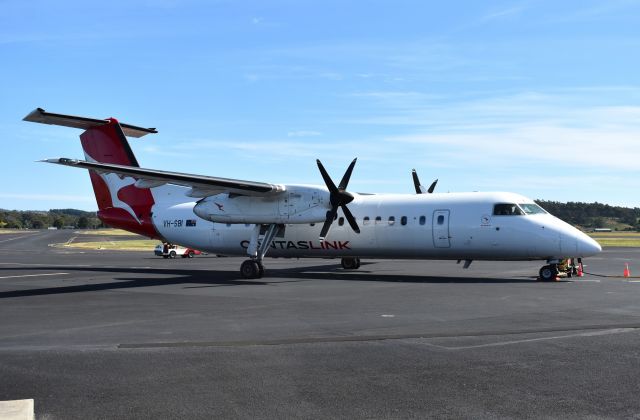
point(419, 187)
point(339, 197)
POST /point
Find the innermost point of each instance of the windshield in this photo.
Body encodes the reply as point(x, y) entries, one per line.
point(504, 209)
point(532, 208)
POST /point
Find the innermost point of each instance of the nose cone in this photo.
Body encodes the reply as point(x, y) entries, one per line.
point(587, 246)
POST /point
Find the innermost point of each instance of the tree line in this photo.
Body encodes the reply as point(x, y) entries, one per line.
point(59, 218)
point(593, 215)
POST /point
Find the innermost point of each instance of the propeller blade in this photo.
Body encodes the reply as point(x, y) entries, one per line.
point(432, 187)
point(339, 197)
point(352, 220)
point(416, 181)
point(331, 214)
point(327, 179)
point(347, 176)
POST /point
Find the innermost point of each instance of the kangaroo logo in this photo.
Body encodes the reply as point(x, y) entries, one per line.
point(115, 184)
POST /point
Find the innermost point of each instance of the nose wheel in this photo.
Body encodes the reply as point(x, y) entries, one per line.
point(549, 272)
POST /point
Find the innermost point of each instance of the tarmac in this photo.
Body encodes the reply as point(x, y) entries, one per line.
point(113, 335)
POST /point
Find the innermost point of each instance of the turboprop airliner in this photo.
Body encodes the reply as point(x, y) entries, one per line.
point(247, 218)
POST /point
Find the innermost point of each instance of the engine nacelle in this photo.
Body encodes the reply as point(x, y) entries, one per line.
point(298, 204)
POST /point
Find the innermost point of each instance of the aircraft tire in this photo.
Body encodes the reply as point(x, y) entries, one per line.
point(350, 263)
point(548, 273)
point(250, 269)
point(260, 270)
point(172, 254)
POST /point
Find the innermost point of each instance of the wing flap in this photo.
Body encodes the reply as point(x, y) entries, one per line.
point(201, 186)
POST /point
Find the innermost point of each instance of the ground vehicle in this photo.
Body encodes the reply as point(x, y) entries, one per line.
point(167, 250)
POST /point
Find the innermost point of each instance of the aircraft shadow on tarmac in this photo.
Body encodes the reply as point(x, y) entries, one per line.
point(217, 278)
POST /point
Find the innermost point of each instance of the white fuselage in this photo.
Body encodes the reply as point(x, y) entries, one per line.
point(420, 226)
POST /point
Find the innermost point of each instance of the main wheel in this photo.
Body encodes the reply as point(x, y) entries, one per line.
point(250, 269)
point(350, 263)
point(548, 273)
point(172, 254)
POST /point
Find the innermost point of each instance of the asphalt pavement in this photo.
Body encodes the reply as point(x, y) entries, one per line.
point(109, 334)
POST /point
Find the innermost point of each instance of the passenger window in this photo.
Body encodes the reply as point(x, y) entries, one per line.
point(378, 219)
point(403, 220)
point(504, 209)
point(441, 220)
point(392, 220)
point(365, 221)
point(341, 221)
point(423, 219)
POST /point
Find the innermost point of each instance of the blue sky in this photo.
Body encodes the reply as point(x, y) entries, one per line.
point(536, 97)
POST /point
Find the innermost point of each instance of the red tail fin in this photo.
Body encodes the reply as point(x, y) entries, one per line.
point(120, 203)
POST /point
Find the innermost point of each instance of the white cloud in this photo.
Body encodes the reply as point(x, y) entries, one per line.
point(303, 133)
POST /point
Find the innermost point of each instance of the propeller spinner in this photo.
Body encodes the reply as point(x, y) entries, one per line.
point(339, 197)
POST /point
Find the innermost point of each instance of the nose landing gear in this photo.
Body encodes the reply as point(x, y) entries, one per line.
point(565, 268)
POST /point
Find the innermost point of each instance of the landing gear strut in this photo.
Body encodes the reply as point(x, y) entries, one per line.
point(350, 263)
point(257, 249)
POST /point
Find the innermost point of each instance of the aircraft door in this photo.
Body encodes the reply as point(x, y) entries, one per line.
point(441, 238)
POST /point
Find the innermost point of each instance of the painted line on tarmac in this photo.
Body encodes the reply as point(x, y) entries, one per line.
point(13, 239)
point(33, 275)
point(532, 340)
point(586, 331)
point(46, 265)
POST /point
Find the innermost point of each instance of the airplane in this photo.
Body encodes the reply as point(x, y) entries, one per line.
point(248, 218)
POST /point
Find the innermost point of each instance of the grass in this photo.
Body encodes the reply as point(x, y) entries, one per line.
point(16, 231)
point(130, 245)
point(106, 232)
point(617, 239)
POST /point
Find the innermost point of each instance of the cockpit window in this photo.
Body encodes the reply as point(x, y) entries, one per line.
point(532, 208)
point(507, 210)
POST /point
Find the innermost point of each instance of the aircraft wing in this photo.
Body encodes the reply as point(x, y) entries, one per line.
point(201, 186)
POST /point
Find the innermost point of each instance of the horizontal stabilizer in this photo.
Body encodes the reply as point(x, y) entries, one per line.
point(39, 115)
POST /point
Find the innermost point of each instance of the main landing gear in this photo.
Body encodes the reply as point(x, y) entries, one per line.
point(560, 268)
point(350, 263)
point(257, 249)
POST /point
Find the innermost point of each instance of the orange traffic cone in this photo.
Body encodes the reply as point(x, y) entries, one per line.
point(627, 272)
point(580, 270)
